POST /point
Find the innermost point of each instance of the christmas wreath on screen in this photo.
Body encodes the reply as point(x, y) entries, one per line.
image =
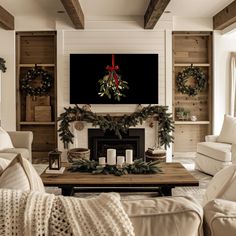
point(195, 73)
point(111, 85)
point(33, 74)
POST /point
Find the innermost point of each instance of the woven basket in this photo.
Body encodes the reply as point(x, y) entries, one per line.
point(78, 153)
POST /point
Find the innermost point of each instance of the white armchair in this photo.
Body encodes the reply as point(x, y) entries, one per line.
point(218, 151)
point(212, 156)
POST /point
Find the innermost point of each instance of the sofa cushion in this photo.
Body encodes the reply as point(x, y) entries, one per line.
point(165, 216)
point(5, 140)
point(209, 165)
point(220, 218)
point(23, 151)
point(217, 151)
point(228, 131)
point(3, 164)
point(222, 185)
point(20, 174)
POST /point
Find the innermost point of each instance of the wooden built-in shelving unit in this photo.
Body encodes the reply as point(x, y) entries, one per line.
point(37, 49)
point(192, 48)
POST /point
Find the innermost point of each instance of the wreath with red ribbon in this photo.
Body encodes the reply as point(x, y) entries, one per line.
point(112, 84)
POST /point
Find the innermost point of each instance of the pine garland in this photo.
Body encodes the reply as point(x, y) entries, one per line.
point(2, 65)
point(138, 167)
point(117, 124)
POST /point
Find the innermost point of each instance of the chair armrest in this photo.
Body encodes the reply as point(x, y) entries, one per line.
point(21, 139)
point(220, 218)
point(211, 138)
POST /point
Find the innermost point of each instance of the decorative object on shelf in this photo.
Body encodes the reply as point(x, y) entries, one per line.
point(54, 158)
point(32, 102)
point(32, 75)
point(117, 124)
point(193, 118)
point(199, 78)
point(2, 65)
point(112, 84)
point(182, 114)
point(78, 153)
point(42, 113)
point(138, 167)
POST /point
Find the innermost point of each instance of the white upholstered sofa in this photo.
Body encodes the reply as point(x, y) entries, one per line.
point(22, 143)
point(166, 216)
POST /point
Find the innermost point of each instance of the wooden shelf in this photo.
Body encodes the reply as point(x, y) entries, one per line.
point(192, 122)
point(193, 64)
point(36, 123)
point(33, 65)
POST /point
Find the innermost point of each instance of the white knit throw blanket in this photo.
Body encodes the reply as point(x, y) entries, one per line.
point(34, 213)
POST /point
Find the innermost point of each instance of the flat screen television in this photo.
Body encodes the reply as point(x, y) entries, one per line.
point(139, 70)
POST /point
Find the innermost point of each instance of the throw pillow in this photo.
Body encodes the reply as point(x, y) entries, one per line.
point(20, 174)
point(5, 140)
point(228, 131)
point(3, 164)
point(222, 185)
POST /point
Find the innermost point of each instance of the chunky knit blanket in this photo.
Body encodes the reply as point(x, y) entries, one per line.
point(34, 213)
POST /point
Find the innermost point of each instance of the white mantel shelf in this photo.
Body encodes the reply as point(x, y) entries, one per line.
point(192, 122)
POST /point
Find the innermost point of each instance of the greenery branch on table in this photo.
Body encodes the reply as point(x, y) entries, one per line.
point(138, 167)
point(117, 124)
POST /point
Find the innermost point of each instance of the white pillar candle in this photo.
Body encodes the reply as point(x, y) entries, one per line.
point(102, 161)
point(111, 156)
point(120, 160)
point(129, 156)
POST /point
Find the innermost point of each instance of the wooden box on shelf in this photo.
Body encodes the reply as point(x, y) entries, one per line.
point(32, 102)
point(42, 113)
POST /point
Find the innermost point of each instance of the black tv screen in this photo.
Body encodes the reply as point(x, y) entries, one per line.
point(140, 71)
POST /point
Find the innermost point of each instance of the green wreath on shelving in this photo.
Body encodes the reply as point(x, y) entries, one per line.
point(191, 72)
point(32, 74)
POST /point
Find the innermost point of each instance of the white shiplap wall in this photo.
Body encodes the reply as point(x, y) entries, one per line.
point(111, 41)
point(115, 42)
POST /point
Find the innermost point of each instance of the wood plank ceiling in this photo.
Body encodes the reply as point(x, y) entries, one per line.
point(221, 20)
point(74, 11)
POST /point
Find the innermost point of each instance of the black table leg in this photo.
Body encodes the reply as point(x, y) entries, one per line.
point(166, 190)
point(67, 190)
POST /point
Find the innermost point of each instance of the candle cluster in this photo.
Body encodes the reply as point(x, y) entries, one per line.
point(112, 159)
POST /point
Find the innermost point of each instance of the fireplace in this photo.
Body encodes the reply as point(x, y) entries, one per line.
point(99, 142)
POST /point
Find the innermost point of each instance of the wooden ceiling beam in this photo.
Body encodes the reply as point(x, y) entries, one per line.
point(75, 12)
point(225, 17)
point(154, 12)
point(7, 21)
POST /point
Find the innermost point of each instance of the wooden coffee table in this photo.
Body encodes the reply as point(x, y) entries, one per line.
point(174, 174)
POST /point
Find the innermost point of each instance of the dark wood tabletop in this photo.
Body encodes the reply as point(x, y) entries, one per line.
point(174, 174)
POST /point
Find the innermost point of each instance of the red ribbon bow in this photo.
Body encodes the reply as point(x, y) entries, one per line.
point(113, 69)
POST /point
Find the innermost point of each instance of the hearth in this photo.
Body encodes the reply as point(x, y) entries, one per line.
point(99, 142)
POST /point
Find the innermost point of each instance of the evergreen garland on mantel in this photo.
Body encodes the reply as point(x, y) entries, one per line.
point(117, 124)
